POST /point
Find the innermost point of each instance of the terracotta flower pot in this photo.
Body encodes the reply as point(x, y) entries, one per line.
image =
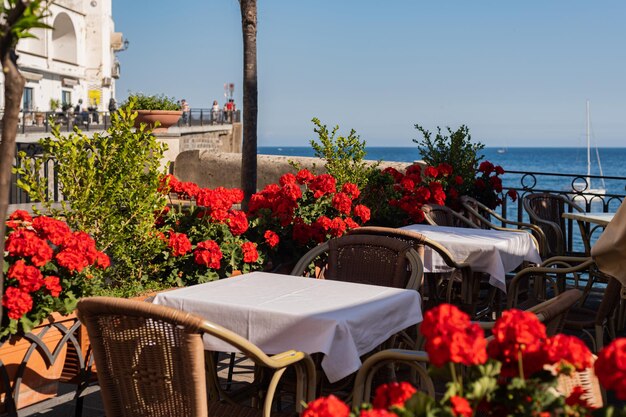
point(167, 118)
point(42, 371)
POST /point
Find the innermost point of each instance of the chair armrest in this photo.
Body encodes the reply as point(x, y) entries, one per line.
point(307, 258)
point(364, 377)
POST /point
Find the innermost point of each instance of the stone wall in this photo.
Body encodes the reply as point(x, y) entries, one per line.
point(210, 169)
point(213, 139)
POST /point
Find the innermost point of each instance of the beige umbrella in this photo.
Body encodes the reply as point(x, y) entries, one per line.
point(609, 252)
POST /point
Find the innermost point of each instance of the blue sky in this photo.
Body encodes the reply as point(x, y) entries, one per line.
point(517, 73)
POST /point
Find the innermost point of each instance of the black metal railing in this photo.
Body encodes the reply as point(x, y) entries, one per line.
point(574, 186)
point(208, 117)
point(39, 122)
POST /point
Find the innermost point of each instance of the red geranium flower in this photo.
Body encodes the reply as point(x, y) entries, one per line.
point(362, 212)
point(337, 227)
point(53, 285)
point(569, 349)
point(486, 167)
point(431, 172)
point(451, 337)
point(271, 238)
point(330, 406)
point(460, 406)
point(208, 253)
point(51, 229)
point(287, 178)
point(518, 333)
point(179, 244)
point(397, 175)
point(351, 189)
point(610, 367)
point(250, 253)
point(377, 413)
point(17, 218)
point(394, 393)
point(444, 169)
point(322, 185)
point(17, 302)
point(29, 277)
point(513, 194)
point(342, 203)
point(304, 176)
point(238, 222)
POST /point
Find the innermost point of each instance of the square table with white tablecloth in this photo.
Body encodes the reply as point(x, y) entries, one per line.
point(494, 252)
point(277, 312)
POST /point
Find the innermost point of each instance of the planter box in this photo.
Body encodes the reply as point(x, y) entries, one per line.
point(32, 363)
point(167, 118)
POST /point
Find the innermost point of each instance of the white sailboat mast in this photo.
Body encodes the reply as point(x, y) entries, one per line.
point(588, 150)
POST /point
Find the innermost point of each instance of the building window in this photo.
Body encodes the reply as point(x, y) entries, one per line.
point(28, 99)
point(66, 98)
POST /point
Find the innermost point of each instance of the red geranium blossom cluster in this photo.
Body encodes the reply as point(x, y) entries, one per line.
point(419, 186)
point(47, 263)
point(206, 241)
point(517, 373)
point(306, 209)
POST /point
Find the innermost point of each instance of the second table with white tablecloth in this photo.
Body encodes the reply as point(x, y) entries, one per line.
point(280, 312)
point(494, 252)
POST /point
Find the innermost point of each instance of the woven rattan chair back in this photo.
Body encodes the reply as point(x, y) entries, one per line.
point(546, 210)
point(437, 215)
point(150, 358)
point(484, 212)
point(368, 259)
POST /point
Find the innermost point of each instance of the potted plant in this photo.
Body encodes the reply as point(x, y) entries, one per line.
point(49, 267)
point(54, 104)
point(158, 112)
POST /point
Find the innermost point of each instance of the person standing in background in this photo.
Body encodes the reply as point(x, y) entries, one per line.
point(184, 106)
point(112, 105)
point(215, 112)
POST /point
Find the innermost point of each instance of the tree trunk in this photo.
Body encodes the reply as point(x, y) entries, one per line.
point(250, 100)
point(13, 90)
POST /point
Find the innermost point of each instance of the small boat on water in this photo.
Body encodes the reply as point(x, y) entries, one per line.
point(501, 150)
point(583, 189)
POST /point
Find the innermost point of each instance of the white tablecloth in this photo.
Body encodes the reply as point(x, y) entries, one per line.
point(281, 312)
point(492, 251)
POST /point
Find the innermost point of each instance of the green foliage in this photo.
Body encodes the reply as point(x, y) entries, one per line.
point(456, 150)
point(344, 156)
point(110, 184)
point(31, 18)
point(54, 104)
point(151, 102)
point(381, 189)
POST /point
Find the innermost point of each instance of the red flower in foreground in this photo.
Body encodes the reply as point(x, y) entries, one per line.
point(304, 176)
point(351, 189)
point(179, 244)
point(460, 406)
point(330, 406)
point(394, 393)
point(451, 337)
point(17, 302)
point(610, 367)
point(576, 398)
point(377, 413)
point(569, 349)
point(342, 203)
point(271, 238)
point(238, 222)
point(518, 333)
point(512, 194)
point(250, 253)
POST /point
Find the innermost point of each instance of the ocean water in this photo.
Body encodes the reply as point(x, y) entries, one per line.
point(549, 160)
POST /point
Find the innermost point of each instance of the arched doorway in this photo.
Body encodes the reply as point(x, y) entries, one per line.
point(64, 39)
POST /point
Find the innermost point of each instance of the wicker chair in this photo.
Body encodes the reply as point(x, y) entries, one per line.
point(418, 360)
point(367, 259)
point(535, 284)
point(482, 216)
point(151, 361)
point(440, 286)
point(545, 210)
point(437, 215)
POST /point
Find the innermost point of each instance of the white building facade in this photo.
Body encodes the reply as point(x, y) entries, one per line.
point(73, 61)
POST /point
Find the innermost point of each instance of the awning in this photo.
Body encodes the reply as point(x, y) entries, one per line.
point(31, 76)
point(69, 82)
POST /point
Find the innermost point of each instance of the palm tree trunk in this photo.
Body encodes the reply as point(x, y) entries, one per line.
point(13, 90)
point(250, 100)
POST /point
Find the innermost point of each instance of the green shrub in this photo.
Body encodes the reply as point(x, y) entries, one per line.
point(152, 102)
point(456, 150)
point(344, 156)
point(110, 183)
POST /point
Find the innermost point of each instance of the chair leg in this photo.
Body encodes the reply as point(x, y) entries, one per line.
point(231, 367)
